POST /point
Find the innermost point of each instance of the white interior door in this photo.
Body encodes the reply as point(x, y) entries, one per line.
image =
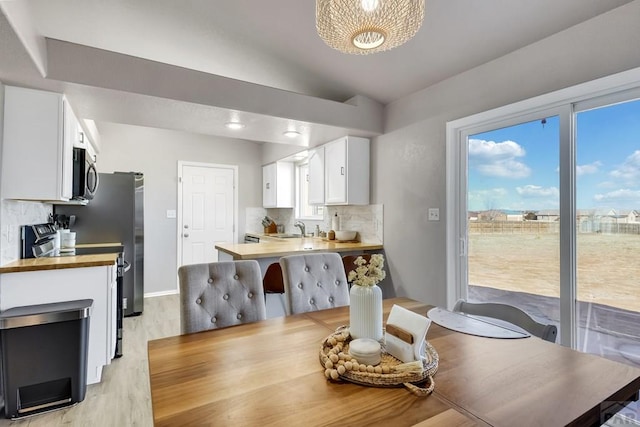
point(207, 211)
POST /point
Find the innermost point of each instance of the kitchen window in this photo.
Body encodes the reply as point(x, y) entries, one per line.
point(303, 209)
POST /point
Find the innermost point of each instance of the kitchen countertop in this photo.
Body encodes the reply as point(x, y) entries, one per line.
point(59, 262)
point(291, 247)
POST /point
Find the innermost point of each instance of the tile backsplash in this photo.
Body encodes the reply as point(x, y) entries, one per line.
point(367, 220)
point(14, 214)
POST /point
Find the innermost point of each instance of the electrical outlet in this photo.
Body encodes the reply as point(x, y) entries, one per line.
point(434, 214)
point(124, 303)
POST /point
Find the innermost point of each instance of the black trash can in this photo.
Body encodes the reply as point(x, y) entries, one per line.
point(44, 356)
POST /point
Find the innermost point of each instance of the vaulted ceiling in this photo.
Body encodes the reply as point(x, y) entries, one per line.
point(194, 64)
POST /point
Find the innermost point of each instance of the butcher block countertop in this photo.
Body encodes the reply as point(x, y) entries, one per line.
point(291, 247)
point(60, 262)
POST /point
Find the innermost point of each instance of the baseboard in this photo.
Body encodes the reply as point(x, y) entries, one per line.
point(161, 293)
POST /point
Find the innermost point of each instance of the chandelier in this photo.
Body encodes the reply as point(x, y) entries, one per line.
point(368, 26)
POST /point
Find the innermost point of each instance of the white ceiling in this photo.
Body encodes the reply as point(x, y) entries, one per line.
point(269, 43)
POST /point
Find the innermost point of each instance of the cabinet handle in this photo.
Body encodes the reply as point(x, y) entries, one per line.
point(267, 185)
point(307, 177)
point(186, 226)
point(186, 234)
point(341, 170)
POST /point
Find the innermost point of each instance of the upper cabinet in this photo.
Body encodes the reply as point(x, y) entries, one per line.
point(316, 176)
point(39, 131)
point(277, 185)
point(346, 171)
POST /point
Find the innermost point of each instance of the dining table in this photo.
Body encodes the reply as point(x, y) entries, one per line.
point(269, 373)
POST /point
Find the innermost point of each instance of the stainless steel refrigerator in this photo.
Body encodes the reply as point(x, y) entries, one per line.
point(115, 214)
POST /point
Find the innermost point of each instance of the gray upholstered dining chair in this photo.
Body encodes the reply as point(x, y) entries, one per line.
point(510, 314)
point(220, 294)
point(314, 281)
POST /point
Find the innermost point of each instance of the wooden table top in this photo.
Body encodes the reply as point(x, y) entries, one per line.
point(291, 247)
point(268, 373)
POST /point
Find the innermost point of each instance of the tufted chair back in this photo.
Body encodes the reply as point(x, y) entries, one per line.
point(220, 294)
point(314, 281)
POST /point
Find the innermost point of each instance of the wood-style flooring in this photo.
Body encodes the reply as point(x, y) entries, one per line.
point(122, 398)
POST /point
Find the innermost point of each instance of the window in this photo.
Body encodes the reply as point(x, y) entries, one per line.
point(303, 209)
point(597, 131)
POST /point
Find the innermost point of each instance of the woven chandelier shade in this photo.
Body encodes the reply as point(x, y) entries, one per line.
point(368, 26)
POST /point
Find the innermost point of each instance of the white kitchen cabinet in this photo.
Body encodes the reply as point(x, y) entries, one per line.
point(277, 185)
point(48, 286)
point(316, 176)
point(39, 131)
point(347, 171)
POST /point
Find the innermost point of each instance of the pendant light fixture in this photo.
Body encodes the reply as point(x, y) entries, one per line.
point(368, 26)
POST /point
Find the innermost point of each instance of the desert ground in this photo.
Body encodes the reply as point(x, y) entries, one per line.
point(608, 265)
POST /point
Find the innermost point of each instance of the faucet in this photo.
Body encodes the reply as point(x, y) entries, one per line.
point(301, 226)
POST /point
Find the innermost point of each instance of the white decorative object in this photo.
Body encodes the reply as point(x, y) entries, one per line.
point(365, 351)
point(365, 312)
point(365, 307)
point(413, 324)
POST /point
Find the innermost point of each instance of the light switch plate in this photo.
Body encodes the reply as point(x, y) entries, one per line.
point(434, 214)
point(171, 213)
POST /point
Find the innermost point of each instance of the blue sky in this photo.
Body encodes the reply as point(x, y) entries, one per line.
point(516, 168)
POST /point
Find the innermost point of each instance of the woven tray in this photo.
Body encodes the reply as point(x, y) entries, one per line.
point(416, 376)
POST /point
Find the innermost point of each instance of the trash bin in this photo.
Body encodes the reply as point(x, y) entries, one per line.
point(44, 356)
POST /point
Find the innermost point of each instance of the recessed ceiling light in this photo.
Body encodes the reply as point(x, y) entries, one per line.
point(291, 133)
point(234, 125)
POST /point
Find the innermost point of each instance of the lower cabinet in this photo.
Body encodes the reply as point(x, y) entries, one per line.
point(47, 286)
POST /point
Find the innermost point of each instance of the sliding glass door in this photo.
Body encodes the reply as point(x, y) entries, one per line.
point(547, 217)
point(608, 229)
point(513, 217)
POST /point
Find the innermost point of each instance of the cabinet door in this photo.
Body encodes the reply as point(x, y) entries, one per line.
point(316, 177)
point(284, 184)
point(70, 133)
point(336, 171)
point(34, 136)
point(269, 186)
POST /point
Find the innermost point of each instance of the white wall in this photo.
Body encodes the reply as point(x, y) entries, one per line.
point(408, 161)
point(155, 153)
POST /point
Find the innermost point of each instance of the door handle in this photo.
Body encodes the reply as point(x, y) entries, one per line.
point(186, 234)
point(186, 226)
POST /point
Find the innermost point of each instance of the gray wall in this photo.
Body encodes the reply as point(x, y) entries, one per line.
point(408, 161)
point(155, 153)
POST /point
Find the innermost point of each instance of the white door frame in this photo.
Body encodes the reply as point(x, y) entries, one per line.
point(181, 165)
point(456, 131)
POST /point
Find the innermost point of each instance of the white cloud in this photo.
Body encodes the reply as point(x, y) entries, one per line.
point(535, 191)
point(498, 158)
point(629, 171)
point(623, 194)
point(588, 169)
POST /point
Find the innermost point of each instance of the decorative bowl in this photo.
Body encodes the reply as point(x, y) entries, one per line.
point(346, 235)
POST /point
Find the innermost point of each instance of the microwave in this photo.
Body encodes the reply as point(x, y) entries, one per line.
point(85, 175)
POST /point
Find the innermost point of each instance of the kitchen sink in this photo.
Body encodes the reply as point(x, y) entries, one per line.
point(286, 236)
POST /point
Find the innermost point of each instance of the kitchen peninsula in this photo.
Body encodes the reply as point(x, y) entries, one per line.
point(294, 246)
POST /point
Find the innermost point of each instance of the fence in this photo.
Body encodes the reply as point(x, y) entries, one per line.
point(540, 227)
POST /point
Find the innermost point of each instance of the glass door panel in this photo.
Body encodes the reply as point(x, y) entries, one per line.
point(608, 231)
point(513, 217)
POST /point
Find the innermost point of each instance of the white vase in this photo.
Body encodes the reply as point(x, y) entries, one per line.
point(365, 312)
